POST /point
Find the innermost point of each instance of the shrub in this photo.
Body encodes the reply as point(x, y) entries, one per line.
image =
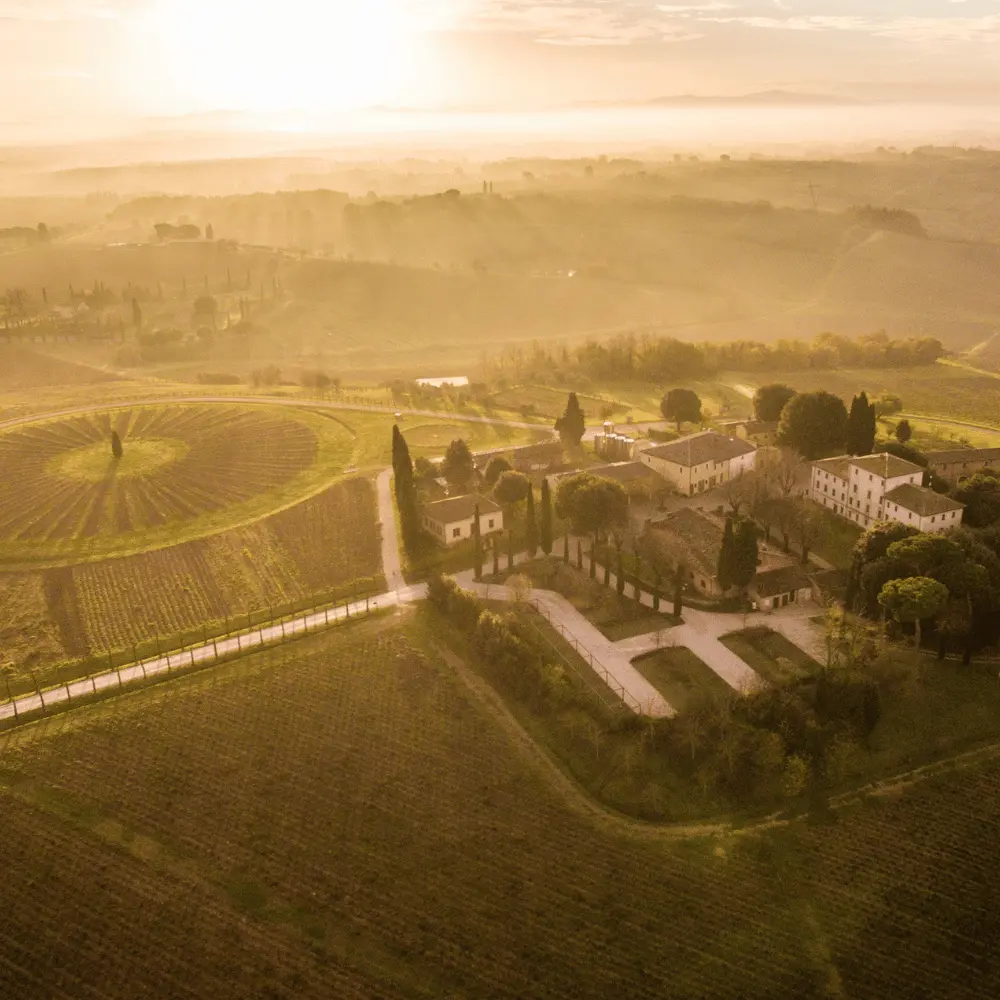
point(849, 697)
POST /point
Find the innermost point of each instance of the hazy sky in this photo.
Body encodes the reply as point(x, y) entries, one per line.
point(73, 59)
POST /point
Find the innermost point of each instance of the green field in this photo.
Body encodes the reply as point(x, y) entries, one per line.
point(355, 817)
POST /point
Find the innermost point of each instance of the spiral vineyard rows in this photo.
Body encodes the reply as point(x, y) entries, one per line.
point(347, 808)
point(187, 470)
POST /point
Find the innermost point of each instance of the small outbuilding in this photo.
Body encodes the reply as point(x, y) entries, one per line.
point(450, 520)
point(776, 588)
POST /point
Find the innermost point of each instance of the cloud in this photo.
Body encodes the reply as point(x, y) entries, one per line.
point(582, 22)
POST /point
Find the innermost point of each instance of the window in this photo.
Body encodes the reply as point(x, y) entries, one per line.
point(933, 519)
point(456, 532)
point(869, 494)
point(490, 522)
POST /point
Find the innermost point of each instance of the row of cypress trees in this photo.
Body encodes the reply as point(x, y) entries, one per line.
point(537, 530)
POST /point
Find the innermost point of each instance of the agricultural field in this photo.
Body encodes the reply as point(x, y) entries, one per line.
point(186, 471)
point(353, 816)
point(944, 390)
point(23, 369)
point(322, 544)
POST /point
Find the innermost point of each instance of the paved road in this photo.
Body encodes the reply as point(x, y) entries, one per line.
point(391, 568)
point(205, 652)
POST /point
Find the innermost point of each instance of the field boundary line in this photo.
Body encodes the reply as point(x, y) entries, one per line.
point(195, 656)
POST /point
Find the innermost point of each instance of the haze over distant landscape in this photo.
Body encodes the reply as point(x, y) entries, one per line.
point(499, 499)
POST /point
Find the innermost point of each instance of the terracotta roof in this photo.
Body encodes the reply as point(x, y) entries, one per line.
point(454, 509)
point(752, 426)
point(696, 449)
point(839, 467)
point(967, 455)
point(623, 472)
point(782, 580)
point(698, 536)
point(885, 465)
point(543, 449)
point(921, 500)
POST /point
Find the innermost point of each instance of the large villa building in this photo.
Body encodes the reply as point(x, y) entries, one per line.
point(700, 462)
point(882, 487)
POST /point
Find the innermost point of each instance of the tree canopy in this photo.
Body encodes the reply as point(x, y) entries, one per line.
point(512, 487)
point(981, 495)
point(814, 424)
point(496, 466)
point(914, 599)
point(592, 503)
point(903, 431)
point(458, 466)
point(681, 406)
point(770, 400)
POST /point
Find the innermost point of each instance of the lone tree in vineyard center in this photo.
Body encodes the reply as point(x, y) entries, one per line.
point(681, 406)
point(571, 425)
point(116, 445)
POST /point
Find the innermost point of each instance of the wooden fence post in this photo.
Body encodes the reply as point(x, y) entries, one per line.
point(13, 700)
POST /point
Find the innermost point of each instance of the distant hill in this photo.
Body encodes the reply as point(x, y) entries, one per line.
point(763, 98)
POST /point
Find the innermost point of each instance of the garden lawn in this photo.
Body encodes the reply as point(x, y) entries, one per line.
point(681, 676)
point(771, 655)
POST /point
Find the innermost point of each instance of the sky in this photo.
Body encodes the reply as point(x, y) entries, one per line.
point(89, 61)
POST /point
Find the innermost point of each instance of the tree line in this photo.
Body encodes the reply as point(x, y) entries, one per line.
point(651, 358)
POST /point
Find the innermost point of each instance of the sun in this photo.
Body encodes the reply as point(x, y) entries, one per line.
point(282, 55)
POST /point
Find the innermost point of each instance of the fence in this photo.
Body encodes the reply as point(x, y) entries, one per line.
point(611, 682)
point(219, 648)
point(200, 635)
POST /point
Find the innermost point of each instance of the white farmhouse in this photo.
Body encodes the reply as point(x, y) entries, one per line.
point(450, 521)
point(881, 487)
point(700, 461)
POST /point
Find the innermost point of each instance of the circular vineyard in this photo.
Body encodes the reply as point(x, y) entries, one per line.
point(183, 470)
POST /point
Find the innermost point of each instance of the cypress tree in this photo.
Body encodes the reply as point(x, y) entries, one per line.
point(744, 564)
point(510, 549)
point(566, 547)
point(477, 544)
point(579, 553)
point(620, 575)
point(530, 527)
point(870, 426)
point(545, 525)
point(116, 445)
point(678, 589)
point(727, 557)
point(571, 425)
point(861, 426)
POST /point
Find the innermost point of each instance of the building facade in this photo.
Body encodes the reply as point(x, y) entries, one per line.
point(958, 464)
point(872, 488)
point(700, 462)
point(450, 521)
